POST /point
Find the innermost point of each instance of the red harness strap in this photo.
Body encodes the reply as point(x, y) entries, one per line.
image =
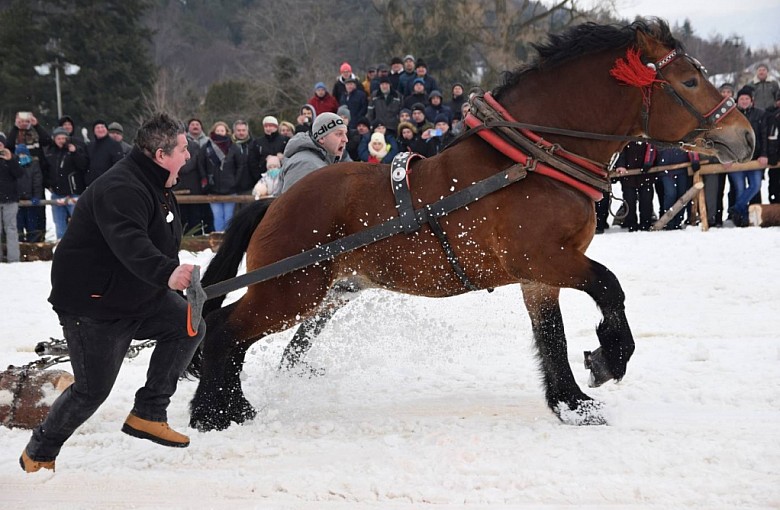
point(518, 156)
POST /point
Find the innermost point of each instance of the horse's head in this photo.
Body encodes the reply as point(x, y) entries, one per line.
point(680, 104)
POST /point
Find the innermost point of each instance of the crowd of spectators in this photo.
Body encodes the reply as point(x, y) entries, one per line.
point(396, 107)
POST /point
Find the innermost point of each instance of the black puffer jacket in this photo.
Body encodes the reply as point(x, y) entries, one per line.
point(121, 246)
point(63, 171)
point(10, 171)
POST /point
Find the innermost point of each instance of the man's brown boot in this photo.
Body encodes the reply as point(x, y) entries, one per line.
point(31, 466)
point(155, 431)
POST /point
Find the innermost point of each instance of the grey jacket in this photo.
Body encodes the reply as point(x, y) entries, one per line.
point(302, 156)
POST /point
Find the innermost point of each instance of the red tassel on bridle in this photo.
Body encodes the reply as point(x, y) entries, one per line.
point(632, 71)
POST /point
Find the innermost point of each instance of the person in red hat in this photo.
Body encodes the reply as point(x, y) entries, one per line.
point(340, 87)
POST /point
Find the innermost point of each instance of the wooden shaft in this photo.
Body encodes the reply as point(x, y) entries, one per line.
point(677, 207)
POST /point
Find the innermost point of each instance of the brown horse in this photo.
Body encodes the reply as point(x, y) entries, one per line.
point(534, 232)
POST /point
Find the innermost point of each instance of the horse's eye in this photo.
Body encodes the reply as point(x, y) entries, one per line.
point(691, 83)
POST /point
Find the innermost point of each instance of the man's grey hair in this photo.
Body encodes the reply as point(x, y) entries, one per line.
point(240, 122)
point(161, 131)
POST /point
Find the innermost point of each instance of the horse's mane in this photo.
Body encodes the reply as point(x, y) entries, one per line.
point(583, 40)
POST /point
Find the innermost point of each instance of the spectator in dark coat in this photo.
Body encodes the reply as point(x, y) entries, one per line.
point(385, 105)
point(355, 99)
point(407, 75)
point(27, 139)
point(64, 167)
point(340, 87)
point(66, 121)
point(637, 189)
point(221, 179)
point(458, 99)
point(421, 69)
point(408, 139)
point(103, 151)
point(117, 133)
point(418, 94)
point(436, 108)
point(196, 219)
point(270, 143)
point(396, 68)
point(10, 171)
point(440, 137)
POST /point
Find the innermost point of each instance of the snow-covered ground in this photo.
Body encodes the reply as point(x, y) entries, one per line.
point(437, 403)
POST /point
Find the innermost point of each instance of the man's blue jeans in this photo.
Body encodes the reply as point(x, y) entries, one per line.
point(744, 194)
point(60, 213)
point(97, 349)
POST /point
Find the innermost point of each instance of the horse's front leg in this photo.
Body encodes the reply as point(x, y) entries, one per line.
point(617, 343)
point(564, 396)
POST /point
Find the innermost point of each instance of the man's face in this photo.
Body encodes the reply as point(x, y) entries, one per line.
point(350, 85)
point(241, 131)
point(382, 73)
point(22, 122)
point(403, 117)
point(362, 129)
point(761, 73)
point(195, 129)
point(384, 87)
point(380, 128)
point(371, 73)
point(443, 126)
point(457, 91)
point(335, 141)
point(408, 65)
point(418, 116)
point(419, 88)
point(396, 68)
point(115, 135)
point(744, 101)
point(421, 70)
point(726, 93)
point(100, 131)
point(270, 129)
point(173, 161)
point(60, 141)
point(320, 92)
point(68, 126)
point(435, 100)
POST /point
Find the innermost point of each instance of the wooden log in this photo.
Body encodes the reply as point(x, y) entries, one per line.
point(26, 395)
point(764, 215)
point(30, 252)
point(677, 207)
point(701, 203)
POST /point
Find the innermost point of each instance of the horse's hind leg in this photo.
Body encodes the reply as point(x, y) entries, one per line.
point(342, 293)
point(617, 343)
point(564, 396)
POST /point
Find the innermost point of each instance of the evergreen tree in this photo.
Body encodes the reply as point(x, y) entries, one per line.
point(106, 39)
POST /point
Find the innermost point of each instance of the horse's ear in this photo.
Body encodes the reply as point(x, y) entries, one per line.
point(648, 45)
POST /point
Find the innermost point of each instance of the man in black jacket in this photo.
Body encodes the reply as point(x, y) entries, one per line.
point(114, 278)
point(104, 152)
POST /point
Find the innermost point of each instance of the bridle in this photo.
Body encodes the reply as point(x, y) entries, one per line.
point(706, 121)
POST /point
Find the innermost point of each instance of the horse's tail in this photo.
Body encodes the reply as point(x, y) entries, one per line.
point(231, 251)
point(225, 263)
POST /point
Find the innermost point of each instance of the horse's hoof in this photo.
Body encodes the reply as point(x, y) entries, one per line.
point(244, 412)
point(597, 364)
point(208, 419)
point(586, 412)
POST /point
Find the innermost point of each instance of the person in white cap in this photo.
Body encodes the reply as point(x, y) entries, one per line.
point(270, 143)
point(307, 152)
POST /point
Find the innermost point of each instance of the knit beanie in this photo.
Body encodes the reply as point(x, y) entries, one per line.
point(325, 124)
point(343, 111)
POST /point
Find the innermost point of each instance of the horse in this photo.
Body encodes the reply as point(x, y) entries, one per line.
point(595, 87)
